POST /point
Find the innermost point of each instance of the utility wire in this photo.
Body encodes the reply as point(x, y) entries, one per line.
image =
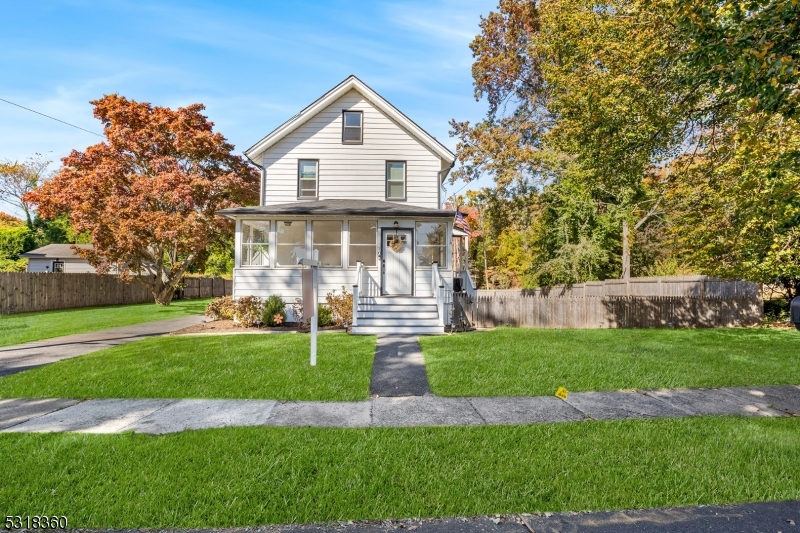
point(52, 118)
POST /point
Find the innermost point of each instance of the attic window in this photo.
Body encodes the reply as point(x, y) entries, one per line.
point(352, 126)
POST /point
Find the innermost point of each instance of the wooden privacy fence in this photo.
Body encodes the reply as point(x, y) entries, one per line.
point(206, 288)
point(690, 302)
point(23, 292)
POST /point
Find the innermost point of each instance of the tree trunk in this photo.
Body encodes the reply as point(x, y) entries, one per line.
point(626, 251)
point(162, 291)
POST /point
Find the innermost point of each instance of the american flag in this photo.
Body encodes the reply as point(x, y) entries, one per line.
point(461, 223)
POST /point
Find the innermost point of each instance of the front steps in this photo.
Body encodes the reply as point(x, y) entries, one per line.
point(387, 315)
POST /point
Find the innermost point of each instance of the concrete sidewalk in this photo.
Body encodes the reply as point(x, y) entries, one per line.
point(160, 416)
point(21, 357)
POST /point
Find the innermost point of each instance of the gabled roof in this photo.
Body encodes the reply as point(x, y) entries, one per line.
point(340, 207)
point(351, 83)
point(56, 251)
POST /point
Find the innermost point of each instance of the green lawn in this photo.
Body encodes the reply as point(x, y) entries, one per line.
point(26, 327)
point(221, 366)
point(247, 476)
point(530, 362)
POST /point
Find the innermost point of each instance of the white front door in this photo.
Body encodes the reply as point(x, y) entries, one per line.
point(398, 264)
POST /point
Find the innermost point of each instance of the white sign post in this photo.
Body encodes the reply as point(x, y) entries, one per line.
point(310, 296)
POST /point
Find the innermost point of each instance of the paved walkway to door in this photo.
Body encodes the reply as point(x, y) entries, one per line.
point(157, 416)
point(20, 357)
point(399, 368)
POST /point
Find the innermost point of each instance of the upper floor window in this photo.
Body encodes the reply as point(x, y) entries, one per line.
point(352, 127)
point(395, 180)
point(307, 178)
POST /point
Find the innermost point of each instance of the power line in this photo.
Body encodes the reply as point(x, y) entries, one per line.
point(52, 118)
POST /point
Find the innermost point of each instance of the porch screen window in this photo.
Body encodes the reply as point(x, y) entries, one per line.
point(291, 237)
point(307, 178)
point(327, 241)
point(363, 245)
point(352, 126)
point(431, 243)
point(395, 180)
point(255, 243)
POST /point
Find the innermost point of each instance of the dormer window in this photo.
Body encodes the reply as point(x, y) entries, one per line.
point(352, 127)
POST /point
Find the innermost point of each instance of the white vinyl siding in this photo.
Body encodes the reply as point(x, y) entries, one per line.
point(355, 171)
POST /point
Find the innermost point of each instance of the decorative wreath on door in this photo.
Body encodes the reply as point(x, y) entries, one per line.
point(396, 244)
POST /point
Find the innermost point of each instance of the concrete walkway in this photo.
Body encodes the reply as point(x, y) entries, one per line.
point(399, 368)
point(168, 416)
point(30, 355)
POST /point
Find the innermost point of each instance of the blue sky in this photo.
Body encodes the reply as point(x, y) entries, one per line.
point(253, 64)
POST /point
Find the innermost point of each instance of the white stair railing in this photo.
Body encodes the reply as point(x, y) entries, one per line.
point(437, 288)
point(357, 291)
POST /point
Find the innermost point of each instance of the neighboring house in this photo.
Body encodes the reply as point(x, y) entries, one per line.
point(352, 181)
point(58, 258)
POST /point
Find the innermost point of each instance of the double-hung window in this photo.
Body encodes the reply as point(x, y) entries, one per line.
point(255, 243)
point(363, 241)
point(291, 237)
point(431, 243)
point(395, 180)
point(352, 127)
point(307, 178)
point(326, 240)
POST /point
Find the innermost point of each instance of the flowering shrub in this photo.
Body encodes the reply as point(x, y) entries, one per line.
point(248, 311)
point(221, 308)
point(341, 307)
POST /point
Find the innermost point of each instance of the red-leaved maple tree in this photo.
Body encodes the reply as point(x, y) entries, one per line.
point(148, 194)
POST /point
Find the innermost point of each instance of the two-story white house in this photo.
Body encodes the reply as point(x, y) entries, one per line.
point(353, 182)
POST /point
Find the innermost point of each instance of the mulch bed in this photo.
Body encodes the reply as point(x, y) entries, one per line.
point(228, 326)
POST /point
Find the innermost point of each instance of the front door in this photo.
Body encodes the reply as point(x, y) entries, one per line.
point(398, 262)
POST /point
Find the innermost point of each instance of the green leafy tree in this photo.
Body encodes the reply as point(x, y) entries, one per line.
point(747, 49)
point(737, 208)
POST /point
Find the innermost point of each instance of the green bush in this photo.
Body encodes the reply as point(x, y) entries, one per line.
point(776, 311)
point(324, 315)
point(274, 311)
point(13, 265)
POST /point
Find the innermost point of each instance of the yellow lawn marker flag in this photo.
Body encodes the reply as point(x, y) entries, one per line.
point(562, 393)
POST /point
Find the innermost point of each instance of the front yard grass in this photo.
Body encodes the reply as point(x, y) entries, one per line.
point(252, 476)
point(222, 366)
point(531, 362)
point(27, 327)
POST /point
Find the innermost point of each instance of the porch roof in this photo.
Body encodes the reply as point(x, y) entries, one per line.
point(340, 207)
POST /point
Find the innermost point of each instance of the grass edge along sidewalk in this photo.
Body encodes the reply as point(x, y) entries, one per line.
point(273, 367)
point(535, 362)
point(248, 476)
point(28, 327)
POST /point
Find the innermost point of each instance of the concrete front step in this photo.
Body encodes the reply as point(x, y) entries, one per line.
point(397, 300)
point(413, 313)
point(398, 321)
point(399, 308)
point(395, 329)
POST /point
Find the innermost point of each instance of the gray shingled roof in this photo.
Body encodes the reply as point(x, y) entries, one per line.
point(340, 207)
point(55, 251)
